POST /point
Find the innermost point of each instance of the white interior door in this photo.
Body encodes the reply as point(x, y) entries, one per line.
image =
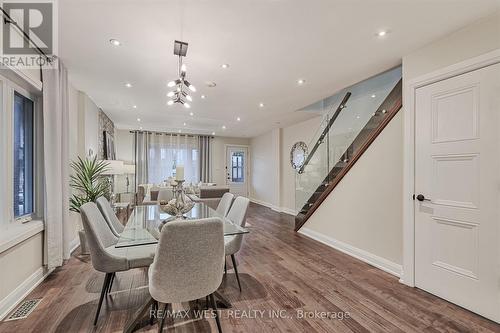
point(236, 170)
point(457, 174)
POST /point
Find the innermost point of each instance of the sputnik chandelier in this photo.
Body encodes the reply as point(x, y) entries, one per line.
point(181, 86)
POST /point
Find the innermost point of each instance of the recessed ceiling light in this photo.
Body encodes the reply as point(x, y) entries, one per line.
point(213, 133)
point(191, 114)
point(261, 105)
point(134, 106)
point(202, 96)
point(238, 119)
point(140, 128)
point(139, 119)
point(357, 117)
point(223, 127)
point(128, 85)
point(382, 33)
point(184, 124)
point(180, 131)
point(225, 66)
point(115, 42)
point(301, 82)
point(373, 96)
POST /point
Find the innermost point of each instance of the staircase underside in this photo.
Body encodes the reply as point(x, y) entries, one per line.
point(383, 115)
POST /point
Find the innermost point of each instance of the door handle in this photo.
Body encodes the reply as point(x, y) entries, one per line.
point(421, 197)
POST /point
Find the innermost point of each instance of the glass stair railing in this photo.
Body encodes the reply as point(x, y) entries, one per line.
point(357, 115)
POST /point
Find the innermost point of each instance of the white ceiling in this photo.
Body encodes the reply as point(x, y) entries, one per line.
point(269, 44)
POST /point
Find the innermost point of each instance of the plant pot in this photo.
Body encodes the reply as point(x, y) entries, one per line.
point(83, 242)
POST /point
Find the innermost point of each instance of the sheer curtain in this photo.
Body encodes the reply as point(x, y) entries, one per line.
point(167, 151)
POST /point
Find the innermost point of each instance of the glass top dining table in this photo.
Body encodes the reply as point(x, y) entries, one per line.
point(143, 225)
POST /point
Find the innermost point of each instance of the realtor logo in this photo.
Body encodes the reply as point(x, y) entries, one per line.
point(36, 20)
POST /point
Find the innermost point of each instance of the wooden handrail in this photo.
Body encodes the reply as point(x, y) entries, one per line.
point(389, 108)
point(325, 131)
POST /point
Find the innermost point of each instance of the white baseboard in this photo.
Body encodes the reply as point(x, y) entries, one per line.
point(265, 204)
point(273, 207)
point(17, 295)
point(370, 258)
point(288, 211)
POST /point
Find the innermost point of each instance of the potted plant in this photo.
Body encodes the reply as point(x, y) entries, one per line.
point(88, 184)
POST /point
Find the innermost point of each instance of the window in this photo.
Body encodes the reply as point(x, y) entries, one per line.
point(23, 156)
point(167, 151)
point(237, 167)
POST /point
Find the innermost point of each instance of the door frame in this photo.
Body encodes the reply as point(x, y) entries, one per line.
point(409, 92)
point(226, 146)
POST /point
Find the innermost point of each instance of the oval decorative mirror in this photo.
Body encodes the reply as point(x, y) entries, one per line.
point(298, 155)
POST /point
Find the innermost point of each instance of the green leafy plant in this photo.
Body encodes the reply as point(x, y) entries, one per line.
point(88, 182)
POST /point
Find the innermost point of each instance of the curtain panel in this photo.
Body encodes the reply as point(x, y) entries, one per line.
point(141, 147)
point(205, 165)
point(158, 155)
point(56, 165)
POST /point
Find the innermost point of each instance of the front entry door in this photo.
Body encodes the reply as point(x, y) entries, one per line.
point(236, 170)
point(457, 185)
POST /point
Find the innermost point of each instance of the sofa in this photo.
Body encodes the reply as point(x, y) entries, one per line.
point(147, 194)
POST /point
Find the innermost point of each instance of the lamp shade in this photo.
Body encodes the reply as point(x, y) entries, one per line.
point(114, 167)
point(129, 169)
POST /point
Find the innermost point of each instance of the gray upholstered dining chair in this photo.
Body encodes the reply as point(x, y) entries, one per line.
point(188, 264)
point(110, 216)
point(225, 203)
point(232, 244)
point(103, 254)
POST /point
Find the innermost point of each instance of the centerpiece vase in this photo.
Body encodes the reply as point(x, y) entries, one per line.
point(180, 201)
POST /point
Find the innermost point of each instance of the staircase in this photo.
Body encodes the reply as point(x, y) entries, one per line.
point(344, 135)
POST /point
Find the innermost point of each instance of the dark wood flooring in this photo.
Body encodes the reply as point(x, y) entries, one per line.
point(280, 271)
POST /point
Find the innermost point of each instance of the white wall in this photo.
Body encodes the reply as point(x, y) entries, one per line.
point(272, 176)
point(303, 131)
point(365, 209)
point(476, 39)
point(265, 169)
point(22, 267)
point(73, 227)
point(124, 145)
point(91, 116)
point(219, 144)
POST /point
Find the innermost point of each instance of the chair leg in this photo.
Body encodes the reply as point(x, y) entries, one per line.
point(225, 266)
point(236, 270)
point(105, 285)
point(162, 319)
point(154, 312)
point(214, 306)
point(111, 282)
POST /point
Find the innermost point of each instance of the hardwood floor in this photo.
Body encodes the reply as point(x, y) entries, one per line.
point(280, 271)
